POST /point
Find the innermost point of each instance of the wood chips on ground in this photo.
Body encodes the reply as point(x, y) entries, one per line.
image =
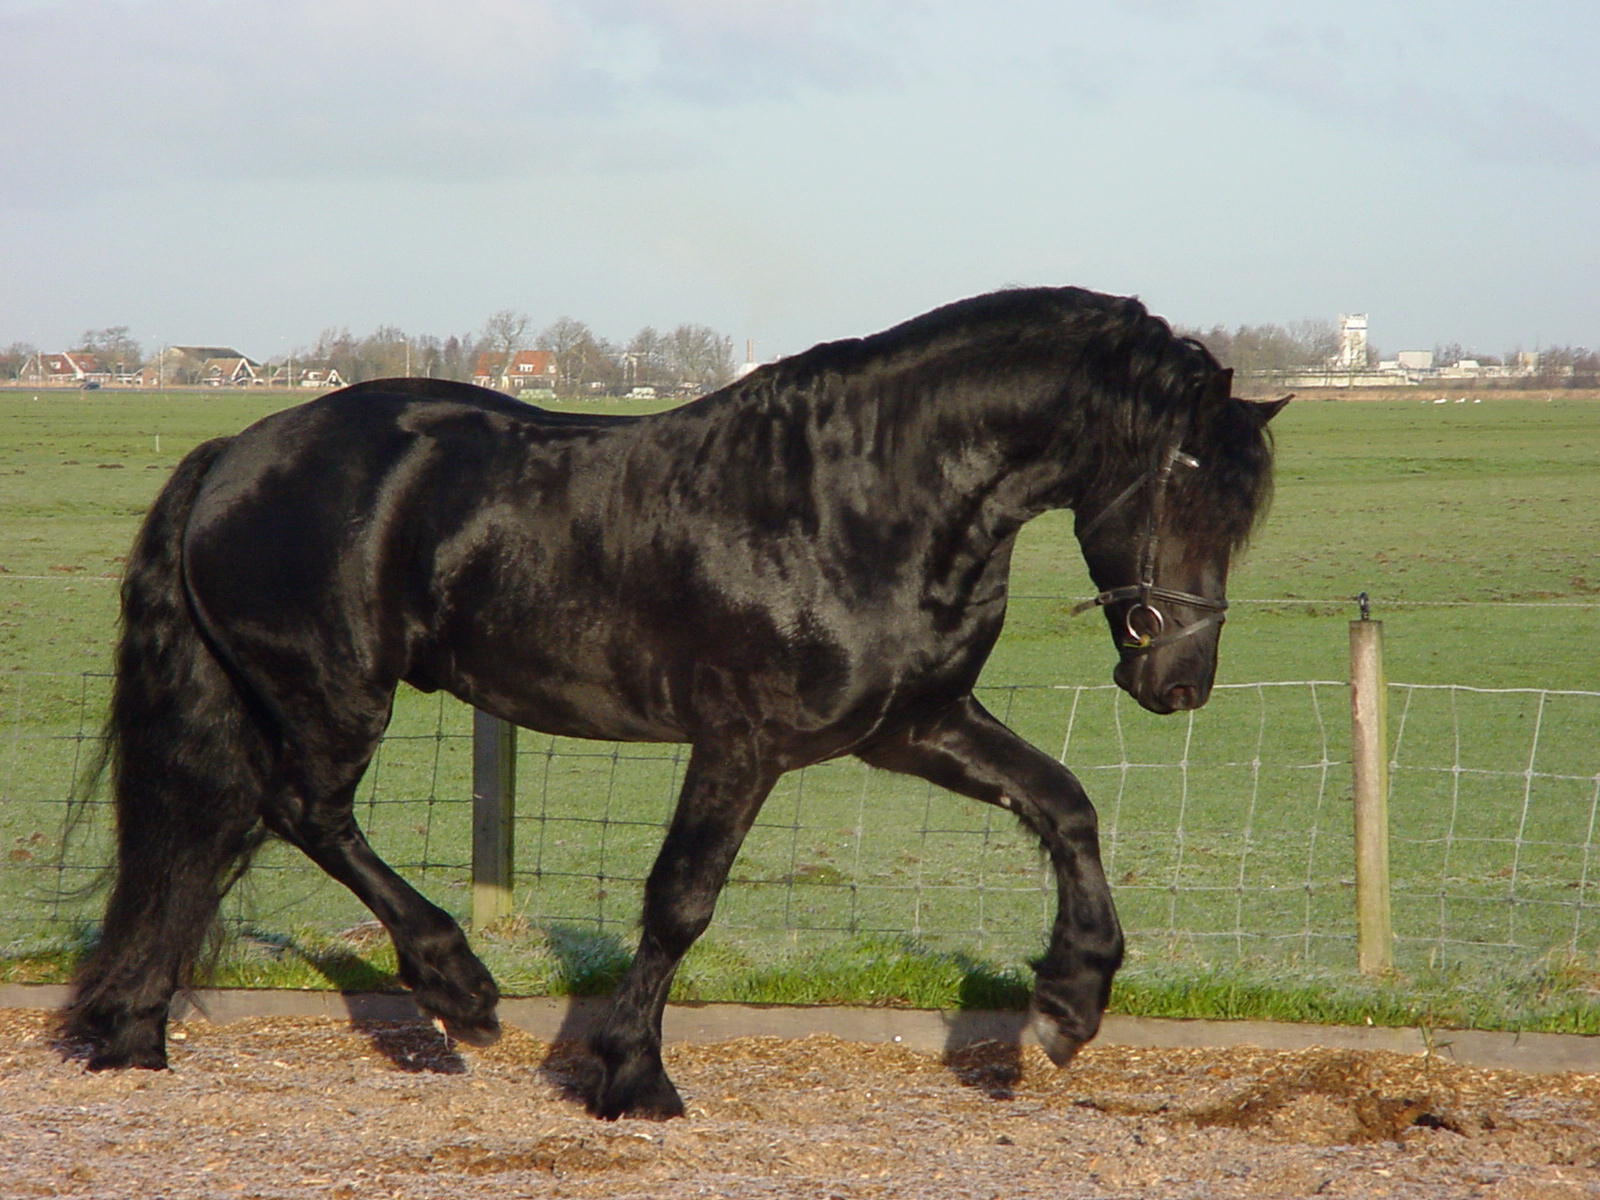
point(301, 1107)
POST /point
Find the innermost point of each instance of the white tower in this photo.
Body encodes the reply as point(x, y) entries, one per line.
point(1352, 342)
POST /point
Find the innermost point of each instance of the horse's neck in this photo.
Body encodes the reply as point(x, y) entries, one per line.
point(978, 444)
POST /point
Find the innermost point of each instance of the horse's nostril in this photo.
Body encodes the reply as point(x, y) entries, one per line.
point(1182, 697)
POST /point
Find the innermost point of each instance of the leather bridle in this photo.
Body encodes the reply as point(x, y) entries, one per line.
point(1147, 591)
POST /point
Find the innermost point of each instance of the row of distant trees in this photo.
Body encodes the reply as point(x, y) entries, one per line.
point(696, 357)
point(688, 357)
point(1303, 344)
point(1270, 347)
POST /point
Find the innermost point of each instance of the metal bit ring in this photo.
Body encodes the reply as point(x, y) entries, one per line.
point(1135, 637)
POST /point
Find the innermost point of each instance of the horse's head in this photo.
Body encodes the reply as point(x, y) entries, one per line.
point(1158, 538)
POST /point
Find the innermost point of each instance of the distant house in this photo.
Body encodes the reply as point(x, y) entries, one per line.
point(321, 377)
point(527, 369)
point(231, 371)
point(213, 366)
point(71, 368)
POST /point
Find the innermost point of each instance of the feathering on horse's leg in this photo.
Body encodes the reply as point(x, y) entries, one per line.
point(967, 750)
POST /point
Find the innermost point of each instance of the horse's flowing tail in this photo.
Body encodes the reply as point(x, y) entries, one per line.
point(191, 757)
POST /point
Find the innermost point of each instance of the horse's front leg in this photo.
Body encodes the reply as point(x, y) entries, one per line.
point(722, 792)
point(967, 750)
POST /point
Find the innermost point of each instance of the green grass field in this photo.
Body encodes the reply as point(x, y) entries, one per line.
point(1474, 527)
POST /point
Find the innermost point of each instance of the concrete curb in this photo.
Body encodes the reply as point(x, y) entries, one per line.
point(564, 1018)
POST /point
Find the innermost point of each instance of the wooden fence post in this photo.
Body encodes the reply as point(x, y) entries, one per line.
point(1369, 759)
point(494, 804)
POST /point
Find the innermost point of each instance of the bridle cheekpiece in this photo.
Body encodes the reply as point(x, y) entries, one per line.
point(1147, 591)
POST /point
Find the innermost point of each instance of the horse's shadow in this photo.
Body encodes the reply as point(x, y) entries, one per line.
point(381, 1011)
point(591, 965)
point(983, 1041)
point(982, 1047)
point(984, 1037)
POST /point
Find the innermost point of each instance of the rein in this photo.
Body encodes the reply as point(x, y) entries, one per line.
point(1146, 591)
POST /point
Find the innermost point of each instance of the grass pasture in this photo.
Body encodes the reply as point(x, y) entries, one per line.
point(1475, 527)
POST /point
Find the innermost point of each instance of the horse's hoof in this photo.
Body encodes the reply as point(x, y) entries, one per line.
point(655, 1101)
point(639, 1110)
point(116, 1060)
point(1061, 1047)
point(481, 1031)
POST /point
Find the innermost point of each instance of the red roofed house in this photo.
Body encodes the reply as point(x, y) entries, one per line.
point(527, 369)
point(72, 368)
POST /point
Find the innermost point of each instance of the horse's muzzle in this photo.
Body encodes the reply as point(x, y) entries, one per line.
point(1161, 692)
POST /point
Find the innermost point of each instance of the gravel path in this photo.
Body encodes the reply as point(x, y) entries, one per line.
point(303, 1107)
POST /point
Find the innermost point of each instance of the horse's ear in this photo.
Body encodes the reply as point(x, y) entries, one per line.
point(1264, 410)
point(1222, 384)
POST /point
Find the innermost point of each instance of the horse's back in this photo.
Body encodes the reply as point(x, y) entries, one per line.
point(343, 442)
point(323, 515)
point(451, 391)
point(413, 530)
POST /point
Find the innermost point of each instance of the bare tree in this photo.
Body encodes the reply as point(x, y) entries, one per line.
point(1270, 347)
point(15, 357)
point(114, 347)
point(339, 351)
point(1314, 341)
point(455, 358)
point(571, 342)
point(699, 356)
point(387, 352)
point(645, 359)
point(505, 333)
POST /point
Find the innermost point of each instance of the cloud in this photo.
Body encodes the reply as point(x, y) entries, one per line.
point(112, 90)
point(1423, 91)
point(720, 51)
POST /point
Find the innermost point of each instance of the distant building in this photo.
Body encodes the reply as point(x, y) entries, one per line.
point(321, 377)
point(1352, 354)
point(1349, 366)
point(750, 364)
point(212, 366)
point(532, 370)
point(70, 368)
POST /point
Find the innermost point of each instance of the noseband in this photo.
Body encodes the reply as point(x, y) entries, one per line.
point(1146, 591)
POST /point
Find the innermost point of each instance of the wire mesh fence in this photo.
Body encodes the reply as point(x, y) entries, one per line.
point(1226, 833)
point(1500, 791)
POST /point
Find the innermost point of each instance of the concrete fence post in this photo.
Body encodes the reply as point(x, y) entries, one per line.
point(1369, 760)
point(494, 803)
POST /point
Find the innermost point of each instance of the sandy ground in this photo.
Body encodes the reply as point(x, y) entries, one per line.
point(305, 1107)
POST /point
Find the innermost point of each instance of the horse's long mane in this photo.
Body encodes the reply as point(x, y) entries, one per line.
point(1131, 388)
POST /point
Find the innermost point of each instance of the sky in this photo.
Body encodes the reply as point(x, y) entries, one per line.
point(252, 174)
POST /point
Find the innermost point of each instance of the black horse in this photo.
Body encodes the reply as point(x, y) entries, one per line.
point(808, 563)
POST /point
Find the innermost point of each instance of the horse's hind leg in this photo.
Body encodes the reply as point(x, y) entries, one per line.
point(445, 977)
point(170, 881)
point(721, 795)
